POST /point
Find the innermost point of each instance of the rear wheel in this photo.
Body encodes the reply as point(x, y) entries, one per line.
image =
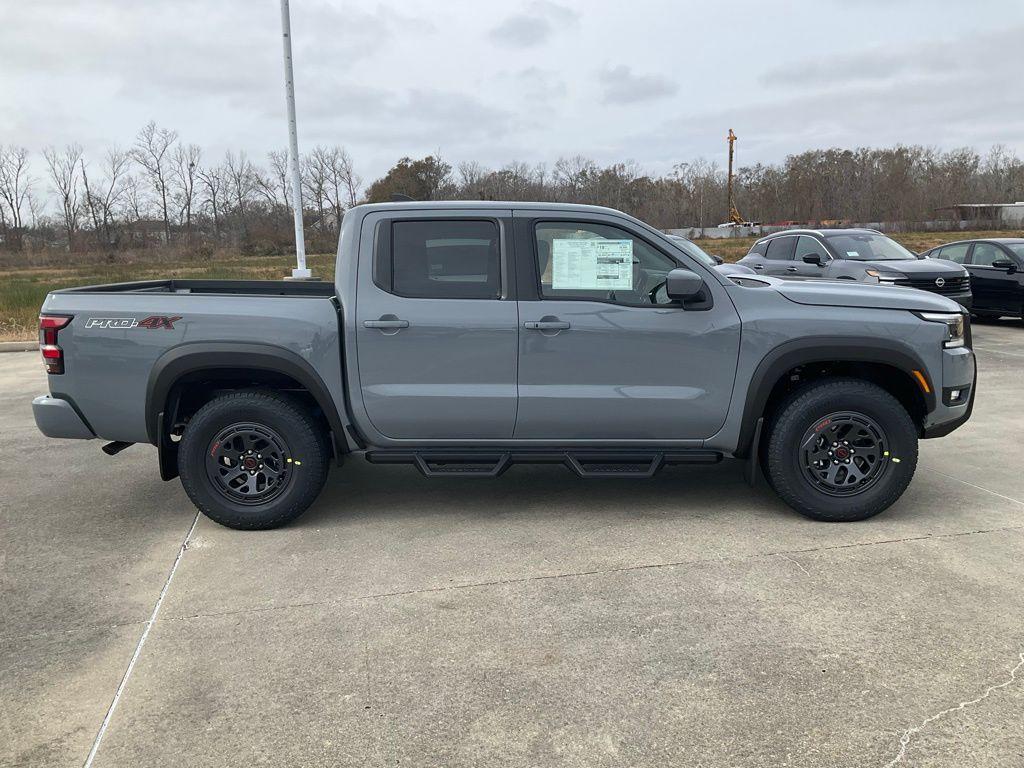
point(841, 450)
point(253, 460)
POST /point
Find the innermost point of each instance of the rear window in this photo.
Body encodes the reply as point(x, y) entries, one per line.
point(445, 259)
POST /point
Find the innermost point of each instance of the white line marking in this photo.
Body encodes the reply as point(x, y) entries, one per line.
point(997, 351)
point(138, 647)
point(973, 485)
point(909, 733)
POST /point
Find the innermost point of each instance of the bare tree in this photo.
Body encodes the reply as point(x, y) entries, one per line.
point(185, 169)
point(351, 181)
point(315, 173)
point(213, 183)
point(63, 166)
point(15, 189)
point(241, 183)
point(152, 152)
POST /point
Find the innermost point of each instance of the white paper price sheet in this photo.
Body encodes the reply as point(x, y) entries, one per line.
point(592, 265)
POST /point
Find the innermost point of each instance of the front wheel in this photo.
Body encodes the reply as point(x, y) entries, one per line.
point(841, 450)
point(253, 460)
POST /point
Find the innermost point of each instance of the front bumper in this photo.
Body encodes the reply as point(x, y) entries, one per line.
point(58, 418)
point(959, 372)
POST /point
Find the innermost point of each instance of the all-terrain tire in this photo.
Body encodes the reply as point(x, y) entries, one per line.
point(807, 411)
point(286, 428)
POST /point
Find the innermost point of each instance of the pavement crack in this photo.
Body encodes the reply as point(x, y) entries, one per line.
point(911, 732)
point(796, 563)
point(138, 647)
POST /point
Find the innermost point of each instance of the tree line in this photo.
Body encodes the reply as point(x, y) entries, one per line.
point(163, 192)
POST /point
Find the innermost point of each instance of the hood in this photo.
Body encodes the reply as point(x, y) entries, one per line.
point(918, 267)
point(848, 293)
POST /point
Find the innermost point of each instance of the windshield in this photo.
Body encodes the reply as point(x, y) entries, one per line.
point(1017, 248)
point(868, 247)
point(694, 250)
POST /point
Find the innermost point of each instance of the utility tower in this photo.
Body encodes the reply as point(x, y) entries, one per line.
point(734, 215)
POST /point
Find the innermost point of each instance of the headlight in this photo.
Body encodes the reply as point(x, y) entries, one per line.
point(954, 326)
point(885, 277)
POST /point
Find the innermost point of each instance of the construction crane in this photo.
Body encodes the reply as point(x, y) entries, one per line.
point(734, 215)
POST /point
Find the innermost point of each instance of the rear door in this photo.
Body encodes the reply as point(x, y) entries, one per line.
point(437, 331)
point(603, 353)
point(778, 259)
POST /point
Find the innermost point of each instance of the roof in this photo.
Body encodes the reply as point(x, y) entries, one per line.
point(824, 232)
point(1004, 240)
point(517, 205)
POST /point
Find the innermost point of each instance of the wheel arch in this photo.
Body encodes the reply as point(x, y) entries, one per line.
point(884, 362)
point(263, 364)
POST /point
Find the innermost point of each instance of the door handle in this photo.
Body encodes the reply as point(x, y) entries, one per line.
point(791, 269)
point(759, 266)
point(385, 324)
point(546, 325)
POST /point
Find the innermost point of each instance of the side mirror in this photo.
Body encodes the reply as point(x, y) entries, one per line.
point(682, 284)
point(718, 259)
point(815, 259)
point(1006, 264)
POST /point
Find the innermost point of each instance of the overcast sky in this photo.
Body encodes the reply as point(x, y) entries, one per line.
point(655, 81)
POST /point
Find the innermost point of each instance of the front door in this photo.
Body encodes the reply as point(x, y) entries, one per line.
point(992, 287)
point(436, 331)
point(603, 353)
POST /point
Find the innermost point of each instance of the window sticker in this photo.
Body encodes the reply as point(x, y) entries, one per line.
point(592, 265)
point(852, 254)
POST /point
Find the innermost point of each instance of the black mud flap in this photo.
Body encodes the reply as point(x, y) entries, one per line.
point(167, 452)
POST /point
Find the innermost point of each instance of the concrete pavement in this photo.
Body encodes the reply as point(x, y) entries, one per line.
point(534, 620)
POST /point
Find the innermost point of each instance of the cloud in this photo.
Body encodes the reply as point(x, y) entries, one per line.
point(986, 54)
point(535, 26)
point(621, 86)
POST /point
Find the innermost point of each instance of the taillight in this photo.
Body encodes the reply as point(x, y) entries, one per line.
point(53, 355)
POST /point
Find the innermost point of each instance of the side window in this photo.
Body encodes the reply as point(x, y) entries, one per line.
point(445, 259)
point(956, 252)
point(985, 254)
point(758, 248)
point(781, 249)
point(809, 246)
point(578, 260)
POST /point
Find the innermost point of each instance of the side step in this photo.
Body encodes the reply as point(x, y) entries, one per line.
point(585, 462)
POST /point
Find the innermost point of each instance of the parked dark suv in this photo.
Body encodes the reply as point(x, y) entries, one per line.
point(996, 267)
point(865, 255)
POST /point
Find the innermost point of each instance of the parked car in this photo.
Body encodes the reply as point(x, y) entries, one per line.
point(864, 255)
point(464, 337)
point(996, 266)
point(710, 260)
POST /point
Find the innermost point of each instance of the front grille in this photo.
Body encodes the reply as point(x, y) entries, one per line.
point(952, 285)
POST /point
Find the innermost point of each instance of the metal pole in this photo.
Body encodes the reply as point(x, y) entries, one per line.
point(300, 272)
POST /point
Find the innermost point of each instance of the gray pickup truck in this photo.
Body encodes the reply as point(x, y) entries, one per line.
point(465, 337)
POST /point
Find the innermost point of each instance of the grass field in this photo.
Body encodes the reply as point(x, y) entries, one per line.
point(22, 289)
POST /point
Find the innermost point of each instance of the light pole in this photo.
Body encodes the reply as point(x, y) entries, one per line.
point(300, 272)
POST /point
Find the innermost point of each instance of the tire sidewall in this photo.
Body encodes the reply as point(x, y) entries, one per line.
point(301, 440)
point(802, 411)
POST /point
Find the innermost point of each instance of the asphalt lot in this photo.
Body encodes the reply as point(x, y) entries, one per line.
point(535, 620)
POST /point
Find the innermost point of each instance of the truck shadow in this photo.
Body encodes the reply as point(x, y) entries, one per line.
point(360, 489)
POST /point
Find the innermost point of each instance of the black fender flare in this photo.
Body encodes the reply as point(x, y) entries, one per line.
point(201, 355)
point(820, 349)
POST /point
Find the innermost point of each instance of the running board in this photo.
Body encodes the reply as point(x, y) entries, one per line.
point(585, 462)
